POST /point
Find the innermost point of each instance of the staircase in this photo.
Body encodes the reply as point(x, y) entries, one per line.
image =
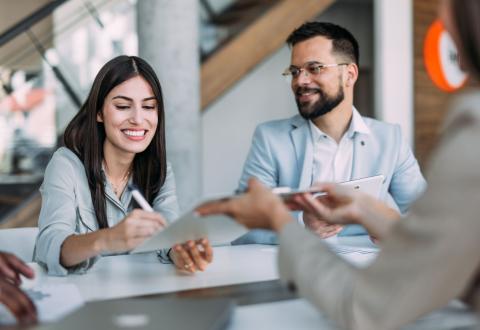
point(261, 37)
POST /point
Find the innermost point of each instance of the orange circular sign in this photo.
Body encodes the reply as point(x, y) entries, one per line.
point(440, 56)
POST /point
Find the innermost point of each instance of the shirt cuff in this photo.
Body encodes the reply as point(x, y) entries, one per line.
point(52, 258)
point(163, 256)
point(51, 255)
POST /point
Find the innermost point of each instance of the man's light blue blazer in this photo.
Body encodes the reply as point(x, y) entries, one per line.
point(282, 155)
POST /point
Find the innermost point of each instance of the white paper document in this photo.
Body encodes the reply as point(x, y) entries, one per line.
point(219, 229)
point(53, 302)
point(360, 257)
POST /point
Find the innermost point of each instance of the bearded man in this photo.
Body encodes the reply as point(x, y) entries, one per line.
point(329, 140)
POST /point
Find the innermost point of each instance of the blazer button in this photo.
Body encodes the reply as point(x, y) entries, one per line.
point(362, 143)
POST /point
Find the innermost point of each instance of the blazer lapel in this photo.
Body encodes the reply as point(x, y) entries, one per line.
point(361, 162)
point(302, 143)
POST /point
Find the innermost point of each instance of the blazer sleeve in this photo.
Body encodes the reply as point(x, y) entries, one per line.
point(407, 183)
point(429, 258)
point(260, 161)
point(58, 215)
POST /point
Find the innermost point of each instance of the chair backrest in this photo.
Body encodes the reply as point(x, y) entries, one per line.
point(19, 241)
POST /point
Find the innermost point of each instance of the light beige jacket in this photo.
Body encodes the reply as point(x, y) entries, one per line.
point(429, 258)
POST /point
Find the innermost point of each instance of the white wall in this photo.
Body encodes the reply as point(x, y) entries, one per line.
point(394, 64)
point(263, 95)
point(357, 17)
point(229, 123)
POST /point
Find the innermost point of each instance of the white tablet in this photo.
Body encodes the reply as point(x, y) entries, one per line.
point(370, 185)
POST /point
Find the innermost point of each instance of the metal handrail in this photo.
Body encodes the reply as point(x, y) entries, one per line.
point(29, 21)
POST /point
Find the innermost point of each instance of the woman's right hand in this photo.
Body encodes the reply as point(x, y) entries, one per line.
point(133, 230)
point(343, 206)
point(339, 206)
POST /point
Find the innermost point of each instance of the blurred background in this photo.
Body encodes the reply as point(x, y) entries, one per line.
point(219, 63)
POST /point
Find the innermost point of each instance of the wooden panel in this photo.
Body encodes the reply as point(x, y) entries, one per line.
point(430, 102)
point(27, 215)
point(229, 64)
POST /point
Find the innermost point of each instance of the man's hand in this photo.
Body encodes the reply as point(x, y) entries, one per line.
point(192, 255)
point(344, 206)
point(257, 208)
point(322, 228)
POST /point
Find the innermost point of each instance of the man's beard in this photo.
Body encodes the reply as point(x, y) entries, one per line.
point(324, 105)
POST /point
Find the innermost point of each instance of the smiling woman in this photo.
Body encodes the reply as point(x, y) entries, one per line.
point(117, 137)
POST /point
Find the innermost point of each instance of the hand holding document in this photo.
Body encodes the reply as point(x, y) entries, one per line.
point(222, 229)
point(219, 230)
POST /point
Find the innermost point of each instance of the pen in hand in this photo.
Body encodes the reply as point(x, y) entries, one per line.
point(137, 195)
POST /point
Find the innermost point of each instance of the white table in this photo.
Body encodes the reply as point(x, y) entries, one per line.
point(247, 273)
point(142, 274)
point(137, 275)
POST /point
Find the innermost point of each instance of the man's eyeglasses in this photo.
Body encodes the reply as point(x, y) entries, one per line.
point(311, 68)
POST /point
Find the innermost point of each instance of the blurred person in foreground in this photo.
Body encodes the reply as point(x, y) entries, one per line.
point(428, 258)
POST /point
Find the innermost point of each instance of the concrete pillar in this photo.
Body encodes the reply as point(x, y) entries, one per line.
point(168, 40)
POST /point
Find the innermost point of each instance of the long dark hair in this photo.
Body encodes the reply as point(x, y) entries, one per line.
point(85, 136)
point(466, 14)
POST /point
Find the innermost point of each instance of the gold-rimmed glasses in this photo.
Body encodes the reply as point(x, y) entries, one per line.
point(309, 68)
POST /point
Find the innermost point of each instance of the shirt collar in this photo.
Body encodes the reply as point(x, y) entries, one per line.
point(357, 125)
point(315, 131)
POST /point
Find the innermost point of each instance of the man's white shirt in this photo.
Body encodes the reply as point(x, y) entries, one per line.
point(332, 162)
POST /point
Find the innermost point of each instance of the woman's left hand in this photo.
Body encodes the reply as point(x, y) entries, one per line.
point(192, 255)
